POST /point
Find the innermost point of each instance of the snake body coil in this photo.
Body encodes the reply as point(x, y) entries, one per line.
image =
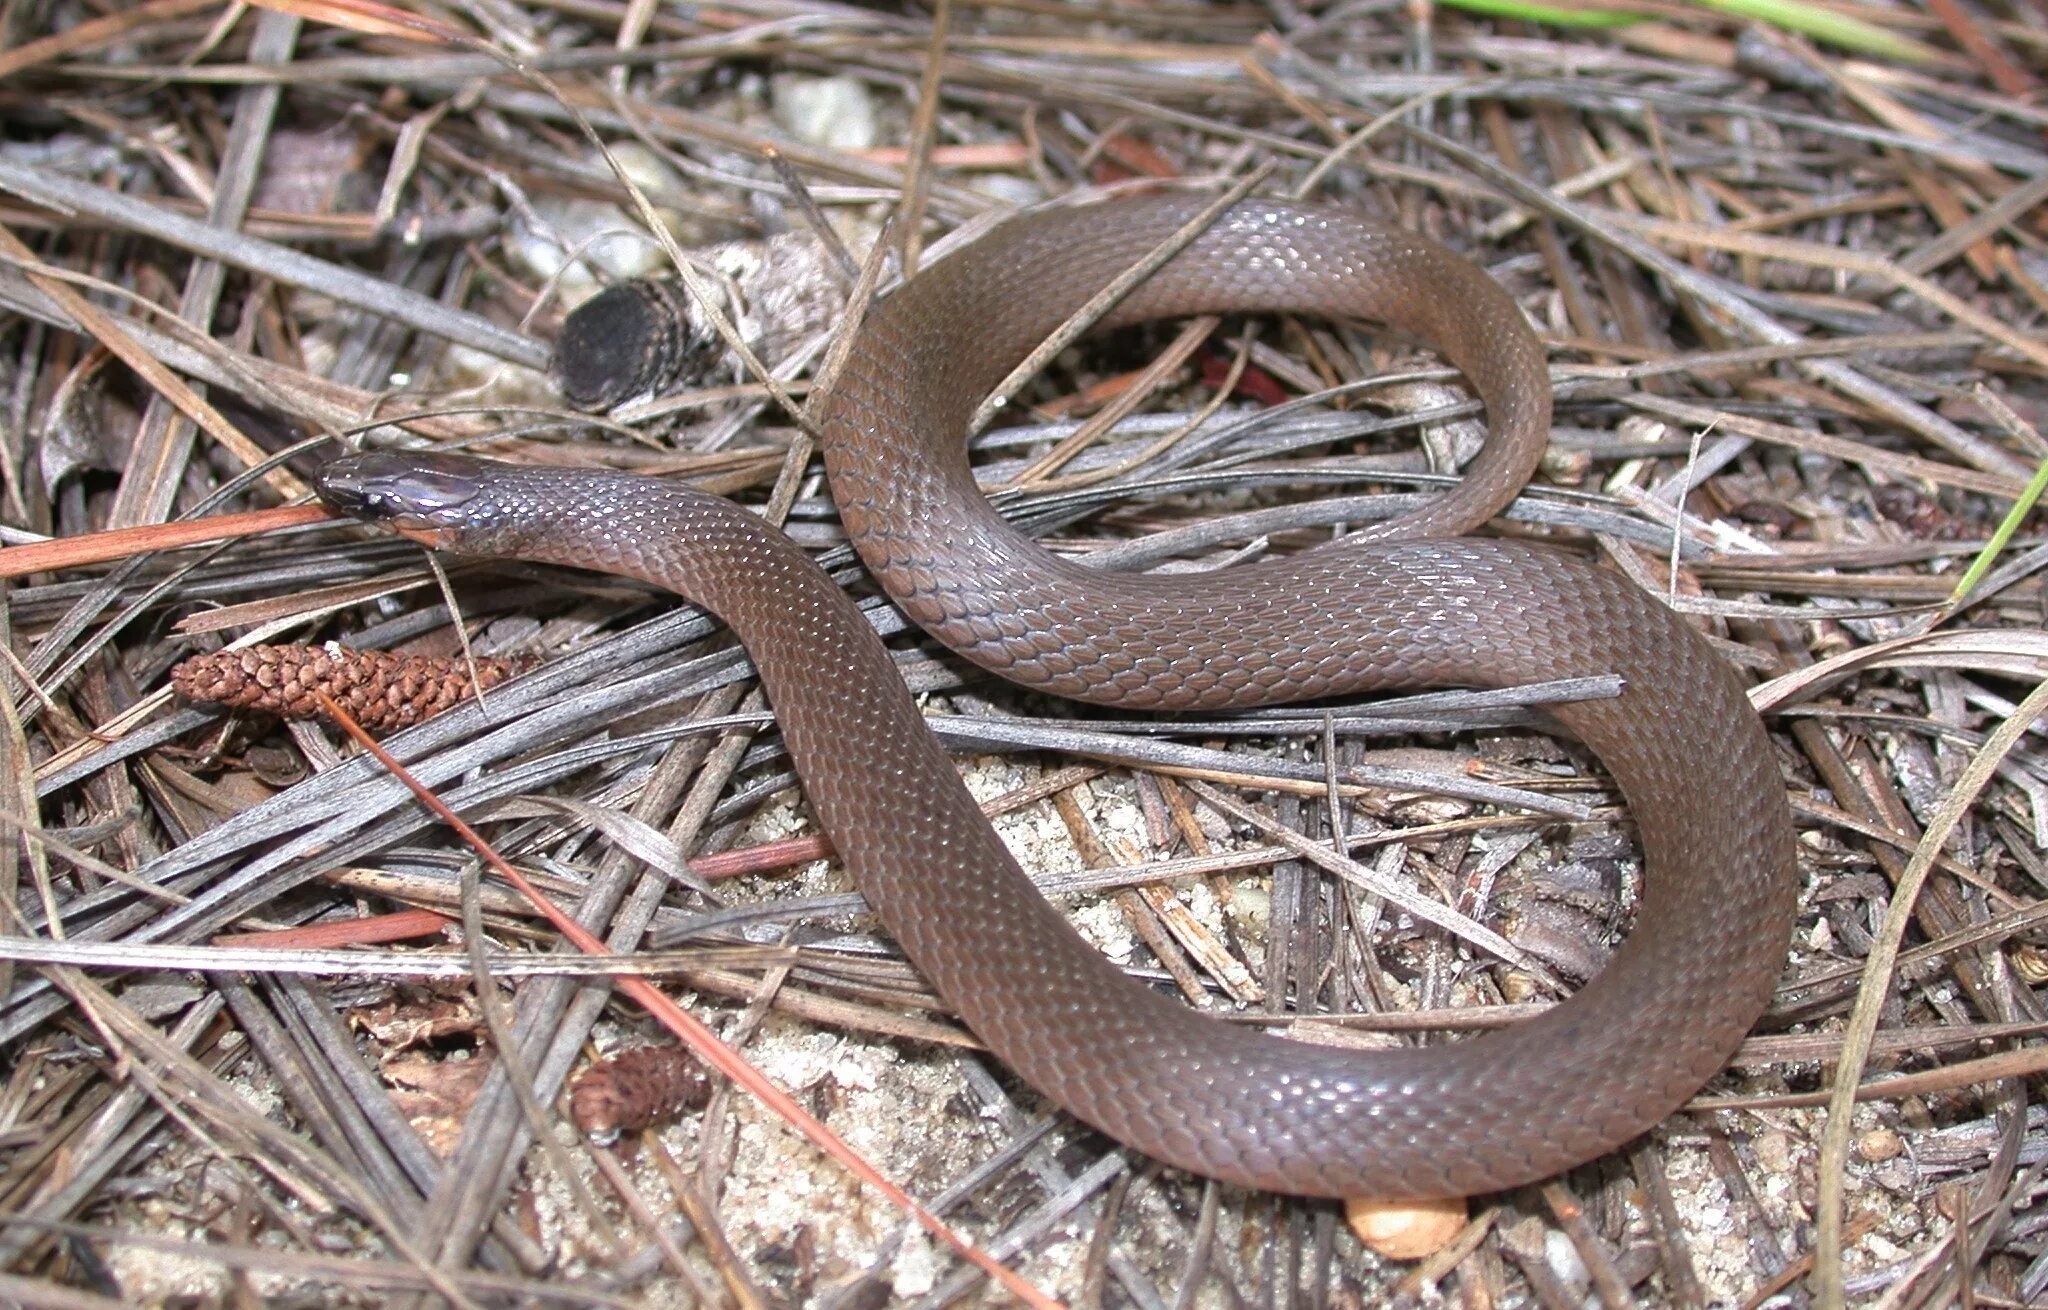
point(1360, 614)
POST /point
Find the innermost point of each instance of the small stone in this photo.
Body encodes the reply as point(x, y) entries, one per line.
point(1569, 467)
point(834, 112)
point(1008, 189)
point(1774, 1152)
point(608, 235)
point(1251, 908)
point(1564, 1263)
point(1643, 429)
point(1518, 988)
point(1405, 1230)
point(1450, 445)
point(587, 232)
point(649, 171)
point(916, 1268)
point(1879, 1144)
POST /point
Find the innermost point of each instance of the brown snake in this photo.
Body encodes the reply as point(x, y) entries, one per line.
point(1363, 613)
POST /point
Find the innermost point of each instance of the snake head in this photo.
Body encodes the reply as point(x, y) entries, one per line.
point(418, 493)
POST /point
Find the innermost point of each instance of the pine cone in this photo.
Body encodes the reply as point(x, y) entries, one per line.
point(636, 1089)
point(382, 691)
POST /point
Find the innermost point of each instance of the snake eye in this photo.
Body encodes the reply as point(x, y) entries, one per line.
point(410, 487)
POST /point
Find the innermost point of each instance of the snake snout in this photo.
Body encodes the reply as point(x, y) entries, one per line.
point(407, 489)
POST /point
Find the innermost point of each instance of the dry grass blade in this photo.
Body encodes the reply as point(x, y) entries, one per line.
point(1849, 261)
point(122, 543)
point(99, 32)
point(259, 257)
point(168, 384)
point(701, 1039)
point(371, 18)
point(1103, 301)
point(1420, 907)
point(1964, 1073)
point(1794, 305)
point(1877, 976)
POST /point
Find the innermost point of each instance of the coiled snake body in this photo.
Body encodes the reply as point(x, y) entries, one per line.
point(1376, 610)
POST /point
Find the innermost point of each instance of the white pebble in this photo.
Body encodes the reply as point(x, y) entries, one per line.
point(834, 112)
point(610, 236)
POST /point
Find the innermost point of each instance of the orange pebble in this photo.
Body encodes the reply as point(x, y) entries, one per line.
point(1405, 1230)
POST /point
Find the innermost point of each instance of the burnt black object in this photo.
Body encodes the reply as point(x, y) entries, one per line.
point(629, 340)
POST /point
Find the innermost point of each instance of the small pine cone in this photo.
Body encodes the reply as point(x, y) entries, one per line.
point(636, 1089)
point(382, 691)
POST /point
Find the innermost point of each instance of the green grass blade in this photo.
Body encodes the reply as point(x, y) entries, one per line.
point(2007, 528)
point(1824, 25)
point(1532, 13)
point(1827, 25)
